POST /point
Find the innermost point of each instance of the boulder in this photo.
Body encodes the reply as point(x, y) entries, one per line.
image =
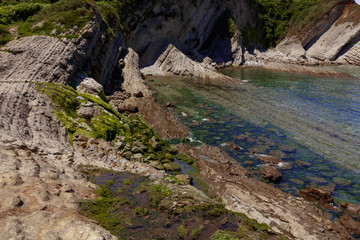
point(233, 146)
point(157, 165)
point(350, 224)
point(128, 106)
point(287, 149)
point(315, 194)
point(86, 112)
point(184, 177)
point(172, 167)
point(273, 161)
point(91, 86)
point(351, 209)
point(271, 174)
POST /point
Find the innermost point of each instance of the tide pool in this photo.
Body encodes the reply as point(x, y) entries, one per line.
point(319, 118)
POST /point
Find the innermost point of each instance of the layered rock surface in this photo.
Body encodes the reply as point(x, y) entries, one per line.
point(172, 61)
point(285, 213)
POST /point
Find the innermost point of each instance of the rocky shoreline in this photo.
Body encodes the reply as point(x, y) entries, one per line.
point(48, 132)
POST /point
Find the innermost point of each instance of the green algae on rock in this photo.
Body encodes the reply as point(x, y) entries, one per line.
point(163, 209)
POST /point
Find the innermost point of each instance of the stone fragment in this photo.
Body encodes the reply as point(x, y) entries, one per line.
point(350, 224)
point(184, 177)
point(273, 161)
point(137, 157)
point(172, 167)
point(91, 86)
point(271, 174)
point(233, 146)
point(315, 194)
point(157, 165)
point(287, 149)
point(351, 209)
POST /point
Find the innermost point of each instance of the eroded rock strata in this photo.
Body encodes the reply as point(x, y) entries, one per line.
point(40, 151)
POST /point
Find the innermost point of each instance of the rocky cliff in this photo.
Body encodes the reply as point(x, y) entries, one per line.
point(40, 182)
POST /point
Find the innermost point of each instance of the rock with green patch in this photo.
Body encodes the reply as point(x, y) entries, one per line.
point(157, 165)
point(172, 167)
point(137, 157)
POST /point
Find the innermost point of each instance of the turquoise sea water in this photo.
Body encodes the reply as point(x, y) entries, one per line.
point(318, 117)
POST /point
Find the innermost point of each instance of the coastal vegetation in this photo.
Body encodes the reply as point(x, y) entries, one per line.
point(282, 17)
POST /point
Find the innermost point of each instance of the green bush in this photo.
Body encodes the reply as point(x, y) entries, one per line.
point(5, 36)
point(20, 12)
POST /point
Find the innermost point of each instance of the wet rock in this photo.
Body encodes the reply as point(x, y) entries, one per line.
point(316, 179)
point(274, 161)
point(172, 167)
point(341, 181)
point(251, 140)
point(351, 209)
point(242, 137)
point(350, 224)
point(315, 194)
point(277, 153)
point(250, 163)
point(184, 177)
point(271, 174)
point(302, 163)
point(297, 181)
point(287, 149)
point(233, 146)
point(258, 149)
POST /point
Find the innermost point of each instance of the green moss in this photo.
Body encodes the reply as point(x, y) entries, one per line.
point(223, 235)
point(141, 211)
point(127, 182)
point(183, 231)
point(157, 193)
point(184, 158)
point(174, 180)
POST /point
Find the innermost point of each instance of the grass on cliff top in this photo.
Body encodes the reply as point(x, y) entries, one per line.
point(283, 17)
point(61, 18)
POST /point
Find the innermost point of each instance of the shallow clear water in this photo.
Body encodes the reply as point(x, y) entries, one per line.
point(320, 118)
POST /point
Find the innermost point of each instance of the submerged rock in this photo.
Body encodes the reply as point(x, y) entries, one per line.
point(172, 167)
point(273, 161)
point(271, 174)
point(234, 147)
